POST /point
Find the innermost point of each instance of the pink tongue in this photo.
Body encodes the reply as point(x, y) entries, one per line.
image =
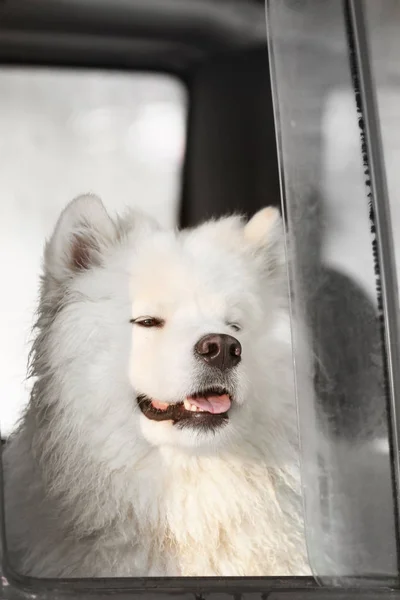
point(213, 404)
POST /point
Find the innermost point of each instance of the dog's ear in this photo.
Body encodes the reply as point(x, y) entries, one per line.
point(264, 232)
point(84, 229)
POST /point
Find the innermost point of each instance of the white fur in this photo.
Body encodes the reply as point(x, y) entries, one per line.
point(94, 488)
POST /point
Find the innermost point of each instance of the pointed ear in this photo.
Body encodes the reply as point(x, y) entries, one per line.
point(264, 232)
point(84, 229)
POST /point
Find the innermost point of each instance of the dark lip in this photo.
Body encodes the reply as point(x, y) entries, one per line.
point(183, 418)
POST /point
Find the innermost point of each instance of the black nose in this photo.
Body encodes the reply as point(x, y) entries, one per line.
point(219, 350)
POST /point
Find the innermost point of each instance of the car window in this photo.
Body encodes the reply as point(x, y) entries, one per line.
point(348, 414)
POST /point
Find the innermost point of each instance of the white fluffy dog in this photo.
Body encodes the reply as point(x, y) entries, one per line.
point(160, 438)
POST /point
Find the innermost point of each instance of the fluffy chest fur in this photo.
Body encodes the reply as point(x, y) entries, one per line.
point(169, 515)
point(229, 516)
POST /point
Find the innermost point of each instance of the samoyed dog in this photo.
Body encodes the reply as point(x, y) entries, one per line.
point(161, 435)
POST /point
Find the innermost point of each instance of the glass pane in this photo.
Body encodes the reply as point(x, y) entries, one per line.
point(383, 22)
point(347, 476)
point(64, 133)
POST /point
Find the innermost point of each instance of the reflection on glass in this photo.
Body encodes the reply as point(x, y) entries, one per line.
point(383, 21)
point(347, 478)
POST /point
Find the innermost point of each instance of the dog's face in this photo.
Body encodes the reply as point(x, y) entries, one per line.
point(165, 333)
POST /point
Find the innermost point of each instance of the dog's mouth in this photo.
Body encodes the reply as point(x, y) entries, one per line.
point(206, 409)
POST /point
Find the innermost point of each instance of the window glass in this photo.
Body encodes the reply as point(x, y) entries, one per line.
point(64, 133)
point(383, 20)
point(347, 472)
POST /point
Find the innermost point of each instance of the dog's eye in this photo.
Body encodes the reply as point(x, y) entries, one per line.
point(235, 326)
point(147, 322)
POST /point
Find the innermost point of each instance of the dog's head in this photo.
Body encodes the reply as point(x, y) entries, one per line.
point(162, 335)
